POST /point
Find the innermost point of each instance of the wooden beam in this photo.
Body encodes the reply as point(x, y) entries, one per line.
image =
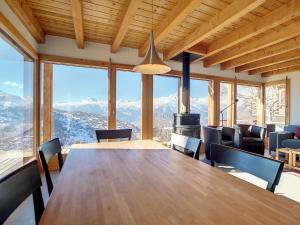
point(112, 79)
point(214, 102)
point(294, 54)
point(174, 18)
point(16, 36)
point(199, 49)
point(273, 50)
point(77, 13)
point(261, 24)
point(281, 71)
point(37, 106)
point(231, 13)
point(47, 109)
point(276, 66)
point(269, 39)
point(25, 14)
point(125, 21)
point(147, 107)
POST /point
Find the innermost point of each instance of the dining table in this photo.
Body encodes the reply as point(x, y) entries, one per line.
point(145, 183)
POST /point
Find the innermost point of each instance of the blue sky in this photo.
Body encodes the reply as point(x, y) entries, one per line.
point(78, 83)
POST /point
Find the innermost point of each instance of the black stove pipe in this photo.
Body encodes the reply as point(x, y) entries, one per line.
point(185, 84)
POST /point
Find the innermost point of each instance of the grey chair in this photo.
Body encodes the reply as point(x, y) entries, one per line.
point(284, 139)
point(188, 145)
point(211, 135)
point(250, 138)
point(265, 168)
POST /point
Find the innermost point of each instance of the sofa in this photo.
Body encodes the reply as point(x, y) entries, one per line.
point(250, 138)
point(218, 135)
point(284, 139)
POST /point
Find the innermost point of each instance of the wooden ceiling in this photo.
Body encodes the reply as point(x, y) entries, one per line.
point(258, 36)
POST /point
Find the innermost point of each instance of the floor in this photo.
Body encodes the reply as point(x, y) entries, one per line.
point(289, 186)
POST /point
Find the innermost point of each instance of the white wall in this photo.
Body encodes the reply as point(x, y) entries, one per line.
point(6, 11)
point(67, 47)
point(295, 93)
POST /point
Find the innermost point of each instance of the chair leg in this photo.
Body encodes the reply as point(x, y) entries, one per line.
point(38, 204)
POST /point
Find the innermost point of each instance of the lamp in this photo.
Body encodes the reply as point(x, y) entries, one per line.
point(222, 111)
point(152, 64)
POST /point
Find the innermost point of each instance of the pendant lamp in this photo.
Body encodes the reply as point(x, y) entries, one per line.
point(152, 64)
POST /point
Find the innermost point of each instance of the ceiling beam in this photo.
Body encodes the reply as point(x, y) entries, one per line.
point(199, 49)
point(261, 24)
point(263, 53)
point(125, 21)
point(294, 54)
point(231, 13)
point(174, 18)
point(271, 38)
point(281, 71)
point(278, 66)
point(77, 13)
point(25, 14)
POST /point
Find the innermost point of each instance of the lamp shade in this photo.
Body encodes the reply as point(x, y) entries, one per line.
point(152, 64)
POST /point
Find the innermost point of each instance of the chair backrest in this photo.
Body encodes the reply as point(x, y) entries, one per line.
point(187, 143)
point(265, 168)
point(113, 134)
point(210, 135)
point(17, 186)
point(46, 152)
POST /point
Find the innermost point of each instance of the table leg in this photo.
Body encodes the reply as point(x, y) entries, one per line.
point(277, 154)
point(290, 155)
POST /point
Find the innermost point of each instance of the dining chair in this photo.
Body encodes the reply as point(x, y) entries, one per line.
point(17, 186)
point(188, 145)
point(113, 134)
point(46, 152)
point(262, 167)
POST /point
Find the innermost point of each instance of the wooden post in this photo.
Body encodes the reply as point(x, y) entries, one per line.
point(261, 106)
point(287, 100)
point(234, 86)
point(214, 102)
point(230, 100)
point(111, 112)
point(37, 105)
point(147, 107)
point(47, 110)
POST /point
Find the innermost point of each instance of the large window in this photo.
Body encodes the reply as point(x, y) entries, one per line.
point(79, 103)
point(16, 103)
point(129, 102)
point(199, 99)
point(248, 104)
point(226, 104)
point(275, 103)
point(165, 104)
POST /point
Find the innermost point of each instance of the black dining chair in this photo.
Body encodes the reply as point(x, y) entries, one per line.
point(17, 186)
point(47, 151)
point(188, 145)
point(262, 167)
point(113, 134)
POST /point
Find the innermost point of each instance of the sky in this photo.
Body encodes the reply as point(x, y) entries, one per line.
point(72, 84)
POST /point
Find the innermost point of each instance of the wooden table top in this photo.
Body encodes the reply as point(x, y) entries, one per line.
point(115, 183)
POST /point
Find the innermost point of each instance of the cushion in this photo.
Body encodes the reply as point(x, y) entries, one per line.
point(297, 132)
point(291, 143)
point(255, 131)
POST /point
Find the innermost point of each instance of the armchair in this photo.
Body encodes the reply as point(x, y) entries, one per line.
point(250, 138)
point(284, 139)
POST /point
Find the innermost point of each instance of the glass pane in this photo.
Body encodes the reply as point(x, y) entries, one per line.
point(199, 99)
point(16, 105)
point(226, 107)
point(79, 103)
point(275, 103)
point(247, 105)
point(165, 104)
point(129, 102)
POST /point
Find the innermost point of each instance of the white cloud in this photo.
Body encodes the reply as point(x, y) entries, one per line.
point(12, 84)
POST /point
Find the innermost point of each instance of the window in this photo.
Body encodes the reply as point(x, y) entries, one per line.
point(247, 105)
point(275, 103)
point(16, 103)
point(129, 102)
point(165, 104)
point(199, 99)
point(79, 103)
point(226, 107)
